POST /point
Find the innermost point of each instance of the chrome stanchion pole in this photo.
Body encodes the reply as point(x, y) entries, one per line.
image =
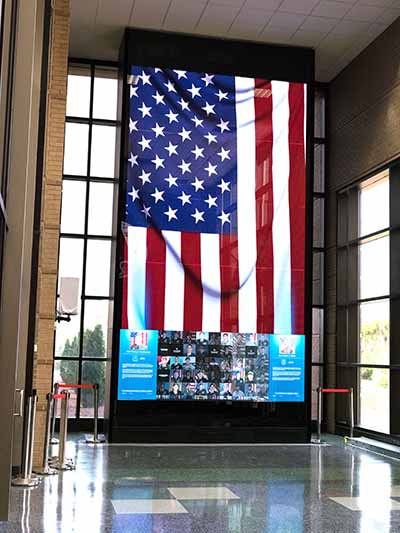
point(319, 421)
point(61, 463)
point(95, 439)
point(53, 439)
point(351, 407)
point(26, 479)
point(45, 469)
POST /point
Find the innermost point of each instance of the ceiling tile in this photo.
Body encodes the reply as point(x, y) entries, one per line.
point(149, 14)
point(217, 19)
point(364, 13)
point(331, 9)
point(277, 35)
point(249, 23)
point(303, 7)
point(287, 20)
point(388, 16)
point(350, 27)
point(235, 3)
point(263, 4)
point(307, 38)
point(184, 16)
point(323, 24)
point(116, 13)
point(84, 12)
point(384, 3)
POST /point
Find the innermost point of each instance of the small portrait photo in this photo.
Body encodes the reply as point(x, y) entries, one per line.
point(175, 363)
point(225, 369)
point(163, 336)
point(214, 339)
point(201, 376)
point(201, 391)
point(213, 391)
point(262, 392)
point(238, 363)
point(139, 340)
point(287, 345)
point(251, 339)
point(176, 376)
point(202, 338)
point(250, 376)
point(188, 391)
point(175, 392)
point(251, 391)
point(163, 361)
point(238, 391)
point(263, 352)
point(238, 377)
point(187, 376)
point(176, 343)
point(189, 337)
point(163, 391)
point(188, 364)
point(214, 374)
point(202, 350)
point(163, 369)
point(189, 350)
point(263, 339)
point(225, 391)
point(226, 351)
point(226, 339)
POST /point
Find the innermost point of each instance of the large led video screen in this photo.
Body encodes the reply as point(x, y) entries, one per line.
point(214, 227)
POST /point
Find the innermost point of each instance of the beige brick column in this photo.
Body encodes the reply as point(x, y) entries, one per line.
point(50, 214)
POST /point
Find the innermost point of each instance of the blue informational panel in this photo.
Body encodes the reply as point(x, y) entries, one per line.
point(137, 373)
point(177, 365)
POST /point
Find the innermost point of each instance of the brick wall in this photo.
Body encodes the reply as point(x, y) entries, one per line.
point(50, 215)
point(364, 135)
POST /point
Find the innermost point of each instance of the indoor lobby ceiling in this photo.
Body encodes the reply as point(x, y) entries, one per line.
point(338, 30)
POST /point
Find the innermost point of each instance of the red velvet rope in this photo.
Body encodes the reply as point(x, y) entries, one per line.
point(335, 390)
point(76, 386)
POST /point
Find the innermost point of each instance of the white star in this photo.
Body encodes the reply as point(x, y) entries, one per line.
point(172, 116)
point(198, 184)
point(171, 181)
point(198, 152)
point(145, 78)
point(159, 163)
point(185, 198)
point(224, 154)
point(171, 148)
point(209, 109)
point(184, 105)
point(224, 186)
point(145, 110)
point(133, 91)
point(132, 125)
point(211, 138)
point(181, 74)
point(158, 130)
point(185, 134)
point(223, 125)
point(157, 69)
point(158, 195)
point(133, 160)
point(145, 143)
point(211, 169)
point(185, 167)
point(159, 98)
point(221, 95)
point(134, 193)
point(208, 79)
point(145, 177)
point(198, 215)
point(170, 86)
point(194, 91)
point(197, 122)
point(171, 213)
point(211, 201)
point(224, 217)
point(146, 211)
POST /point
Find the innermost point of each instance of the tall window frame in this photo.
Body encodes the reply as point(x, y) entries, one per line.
point(85, 180)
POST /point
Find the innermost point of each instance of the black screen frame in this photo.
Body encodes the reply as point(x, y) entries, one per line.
point(211, 421)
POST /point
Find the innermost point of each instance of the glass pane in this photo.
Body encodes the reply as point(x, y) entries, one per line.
point(92, 372)
point(319, 222)
point(100, 208)
point(316, 381)
point(374, 206)
point(318, 278)
point(66, 372)
point(375, 268)
point(319, 168)
point(73, 207)
point(319, 114)
point(98, 268)
point(67, 338)
point(70, 262)
point(374, 399)
point(317, 335)
point(96, 328)
point(374, 333)
point(78, 92)
point(76, 149)
point(105, 94)
point(103, 152)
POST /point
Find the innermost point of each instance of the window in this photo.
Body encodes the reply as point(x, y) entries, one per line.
point(89, 186)
point(318, 287)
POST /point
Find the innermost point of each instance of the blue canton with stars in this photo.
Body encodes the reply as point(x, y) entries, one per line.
point(182, 170)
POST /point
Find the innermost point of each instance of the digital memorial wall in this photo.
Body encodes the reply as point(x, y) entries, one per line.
point(214, 239)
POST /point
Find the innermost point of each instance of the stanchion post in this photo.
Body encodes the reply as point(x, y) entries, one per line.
point(319, 414)
point(26, 480)
point(95, 439)
point(53, 439)
point(45, 470)
point(351, 407)
point(61, 463)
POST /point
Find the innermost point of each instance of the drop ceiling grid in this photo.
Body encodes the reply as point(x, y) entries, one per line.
point(337, 29)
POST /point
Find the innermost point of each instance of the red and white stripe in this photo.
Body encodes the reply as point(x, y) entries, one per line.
point(252, 281)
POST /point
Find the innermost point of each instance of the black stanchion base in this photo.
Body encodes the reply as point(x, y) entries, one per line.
point(89, 439)
point(25, 482)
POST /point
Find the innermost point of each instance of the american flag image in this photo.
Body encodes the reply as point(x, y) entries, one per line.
point(215, 205)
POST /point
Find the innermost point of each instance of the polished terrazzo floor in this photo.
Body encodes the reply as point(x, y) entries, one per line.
point(204, 489)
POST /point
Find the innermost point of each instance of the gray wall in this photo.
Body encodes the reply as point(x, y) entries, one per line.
point(364, 135)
